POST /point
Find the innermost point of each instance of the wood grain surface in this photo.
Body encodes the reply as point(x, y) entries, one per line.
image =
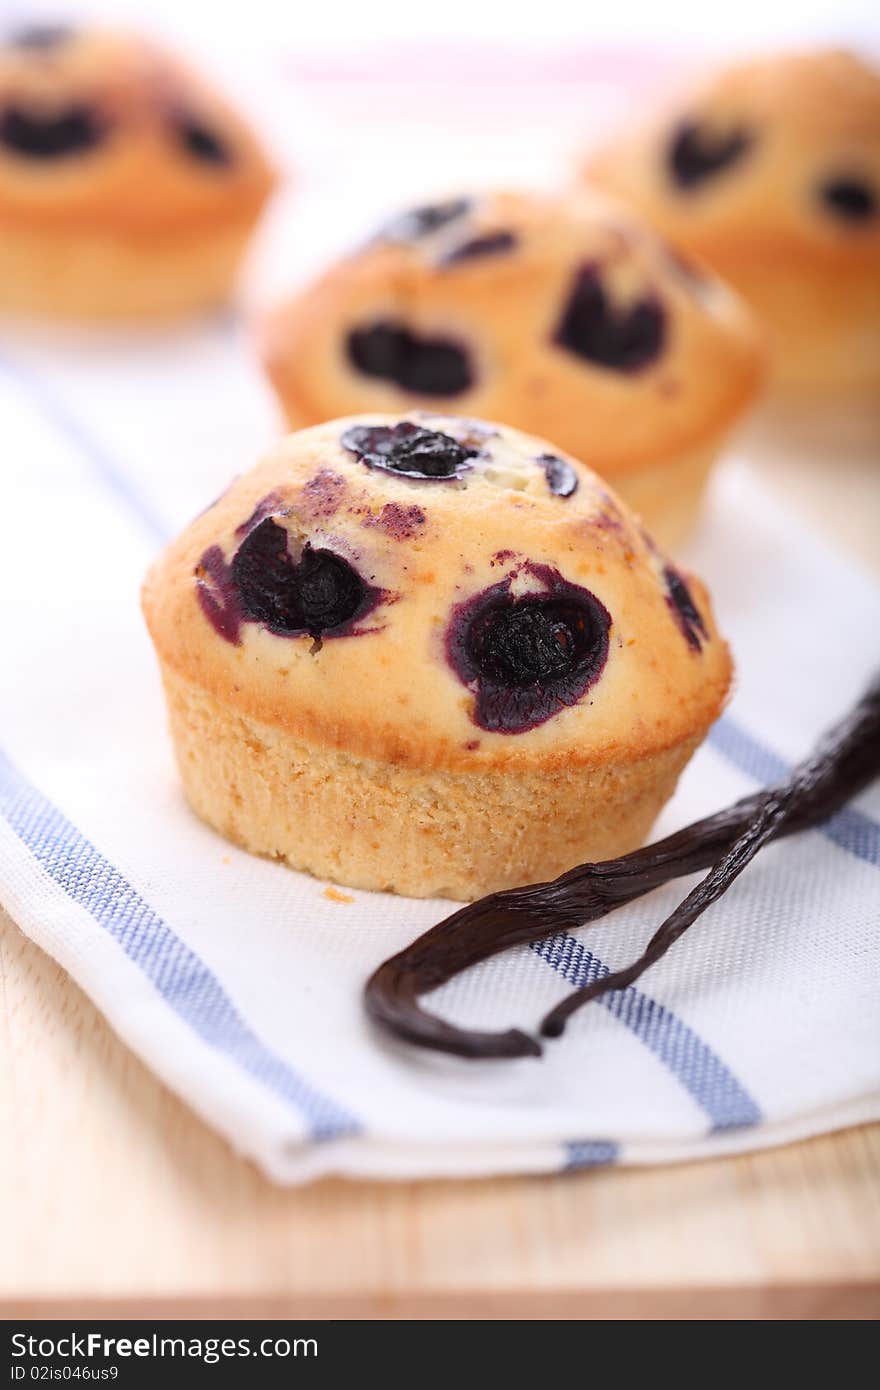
point(116, 1199)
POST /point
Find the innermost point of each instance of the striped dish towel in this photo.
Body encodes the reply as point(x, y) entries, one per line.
point(238, 982)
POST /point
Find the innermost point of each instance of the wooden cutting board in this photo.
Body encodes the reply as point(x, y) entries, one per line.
point(114, 1198)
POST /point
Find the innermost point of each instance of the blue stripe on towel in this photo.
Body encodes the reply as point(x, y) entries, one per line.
point(850, 830)
point(198, 997)
point(180, 977)
point(590, 1153)
point(692, 1062)
point(747, 753)
point(111, 476)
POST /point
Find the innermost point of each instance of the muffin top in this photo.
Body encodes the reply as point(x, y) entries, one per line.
point(560, 315)
point(783, 153)
point(438, 592)
point(99, 128)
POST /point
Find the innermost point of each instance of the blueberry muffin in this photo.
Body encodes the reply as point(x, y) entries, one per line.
point(128, 188)
point(558, 315)
point(430, 655)
point(770, 173)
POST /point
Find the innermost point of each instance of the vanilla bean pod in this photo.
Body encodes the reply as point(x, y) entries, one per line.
point(776, 807)
point(846, 761)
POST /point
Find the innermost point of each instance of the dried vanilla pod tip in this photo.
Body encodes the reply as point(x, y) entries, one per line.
point(431, 655)
point(128, 186)
point(563, 315)
point(844, 762)
point(769, 173)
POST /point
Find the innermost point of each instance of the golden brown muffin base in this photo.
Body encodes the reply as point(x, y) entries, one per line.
point(823, 320)
point(102, 276)
point(668, 496)
point(386, 828)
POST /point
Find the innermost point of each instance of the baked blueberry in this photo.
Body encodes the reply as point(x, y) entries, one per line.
point(527, 656)
point(320, 593)
point(42, 135)
point(687, 614)
point(322, 495)
point(622, 339)
point(218, 596)
point(398, 522)
point(561, 477)
point(409, 450)
point(200, 142)
point(492, 244)
point(852, 199)
point(696, 154)
point(425, 366)
point(422, 221)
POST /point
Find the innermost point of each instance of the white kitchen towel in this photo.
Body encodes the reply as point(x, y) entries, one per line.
point(239, 982)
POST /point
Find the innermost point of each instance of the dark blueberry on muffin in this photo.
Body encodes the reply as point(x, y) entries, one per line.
point(561, 477)
point(622, 339)
point(200, 142)
point(425, 366)
point(492, 244)
point(40, 135)
point(319, 594)
point(218, 595)
point(696, 154)
point(527, 656)
point(687, 614)
point(852, 199)
point(409, 450)
point(422, 221)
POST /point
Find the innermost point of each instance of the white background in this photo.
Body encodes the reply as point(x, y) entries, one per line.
point(338, 24)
